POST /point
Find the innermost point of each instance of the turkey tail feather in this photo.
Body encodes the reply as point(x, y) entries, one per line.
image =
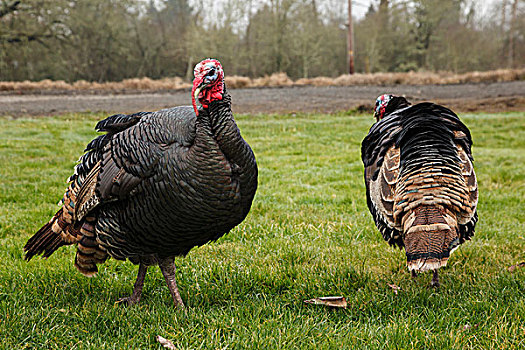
point(89, 253)
point(429, 240)
point(46, 240)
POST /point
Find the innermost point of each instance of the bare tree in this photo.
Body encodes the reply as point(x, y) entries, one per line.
point(350, 39)
point(30, 21)
point(117, 39)
point(512, 33)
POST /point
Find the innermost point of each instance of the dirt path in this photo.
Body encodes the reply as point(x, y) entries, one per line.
point(489, 97)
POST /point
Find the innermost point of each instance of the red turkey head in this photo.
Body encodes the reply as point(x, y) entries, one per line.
point(381, 103)
point(386, 104)
point(208, 84)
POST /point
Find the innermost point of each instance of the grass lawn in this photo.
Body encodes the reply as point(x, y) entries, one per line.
point(309, 234)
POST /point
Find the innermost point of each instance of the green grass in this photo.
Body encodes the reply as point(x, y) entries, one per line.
point(308, 234)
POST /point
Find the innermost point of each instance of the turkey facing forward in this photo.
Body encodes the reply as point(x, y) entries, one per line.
point(420, 182)
point(155, 185)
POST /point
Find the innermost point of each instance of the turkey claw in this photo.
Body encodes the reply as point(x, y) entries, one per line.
point(127, 301)
point(435, 285)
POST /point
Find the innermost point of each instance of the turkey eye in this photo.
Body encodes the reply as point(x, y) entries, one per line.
point(211, 72)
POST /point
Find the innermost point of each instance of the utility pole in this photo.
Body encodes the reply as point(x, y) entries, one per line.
point(350, 40)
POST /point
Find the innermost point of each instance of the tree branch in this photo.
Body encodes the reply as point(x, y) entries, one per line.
point(21, 37)
point(8, 8)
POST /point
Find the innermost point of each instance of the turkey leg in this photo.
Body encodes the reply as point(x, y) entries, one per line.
point(137, 287)
point(435, 279)
point(167, 266)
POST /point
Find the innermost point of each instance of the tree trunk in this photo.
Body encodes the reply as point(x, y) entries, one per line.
point(189, 69)
point(503, 15)
point(511, 33)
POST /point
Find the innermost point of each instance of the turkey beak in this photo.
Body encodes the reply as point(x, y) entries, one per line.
point(198, 90)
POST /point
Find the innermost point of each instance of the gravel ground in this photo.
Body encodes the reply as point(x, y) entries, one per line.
point(487, 97)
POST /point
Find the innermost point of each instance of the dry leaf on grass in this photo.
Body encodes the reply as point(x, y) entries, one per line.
point(395, 288)
point(338, 302)
point(166, 343)
point(514, 267)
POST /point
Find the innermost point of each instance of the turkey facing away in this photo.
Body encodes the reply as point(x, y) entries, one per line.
point(420, 183)
point(156, 185)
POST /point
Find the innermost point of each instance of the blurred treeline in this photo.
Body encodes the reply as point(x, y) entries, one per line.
point(107, 40)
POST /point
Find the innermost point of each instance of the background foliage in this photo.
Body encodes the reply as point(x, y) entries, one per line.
point(108, 40)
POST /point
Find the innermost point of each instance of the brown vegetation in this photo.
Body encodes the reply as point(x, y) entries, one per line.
point(274, 80)
point(418, 78)
point(146, 84)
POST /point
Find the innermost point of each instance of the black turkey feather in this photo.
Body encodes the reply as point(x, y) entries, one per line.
point(420, 182)
point(155, 185)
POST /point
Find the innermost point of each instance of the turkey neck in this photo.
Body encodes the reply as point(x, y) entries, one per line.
point(218, 123)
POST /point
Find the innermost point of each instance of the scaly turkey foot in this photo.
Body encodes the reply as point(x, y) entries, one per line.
point(127, 301)
point(435, 279)
point(167, 266)
point(137, 288)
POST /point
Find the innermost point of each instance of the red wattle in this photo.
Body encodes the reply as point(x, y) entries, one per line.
point(196, 82)
point(193, 102)
point(214, 93)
